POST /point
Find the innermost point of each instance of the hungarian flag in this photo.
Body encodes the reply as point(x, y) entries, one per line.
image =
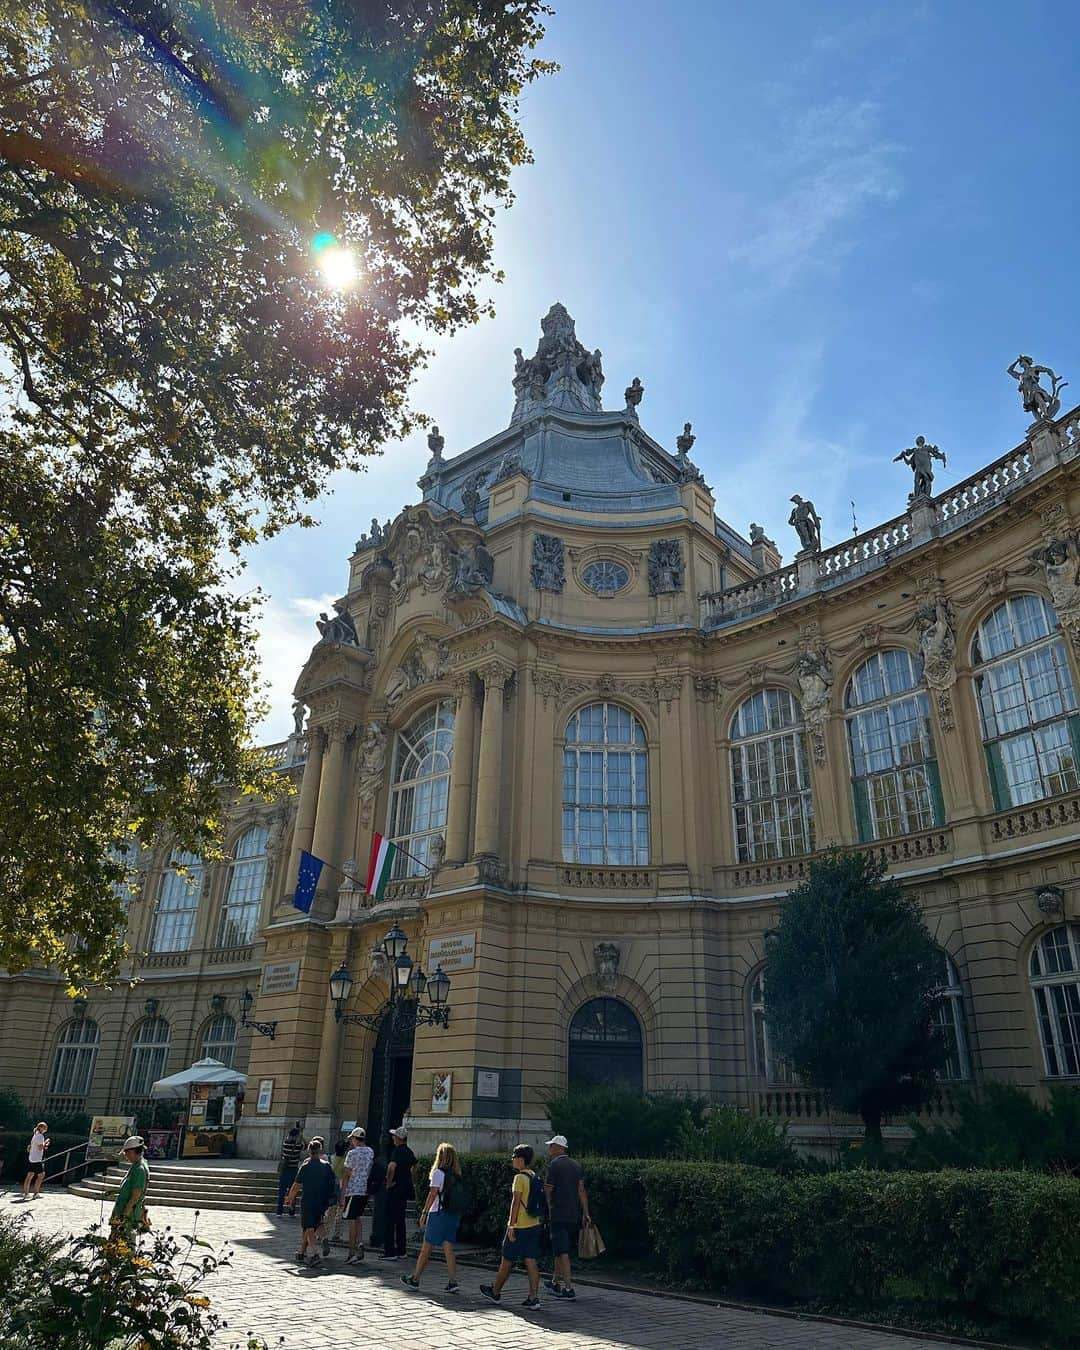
point(380, 866)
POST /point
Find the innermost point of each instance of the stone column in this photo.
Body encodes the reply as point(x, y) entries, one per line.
point(330, 1042)
point(324, 843)
point(307, 799)
point(461, 770)
point(495, 675)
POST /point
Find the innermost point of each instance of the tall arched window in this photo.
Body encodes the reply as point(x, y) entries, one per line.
point(243, 894)
point(953, 1024)
point(767, 1064)
point(420, 788)
point(894, 771)
point(770, 779)
point(605, 787)
point(75, 1058)
point(1055, 984)
point(605, 1044)
point(178, 903)
point(149, 1053)
point(219, 1039)
point(1027, 703)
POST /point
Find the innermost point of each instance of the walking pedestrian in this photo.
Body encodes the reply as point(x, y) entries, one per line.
point(35, 1152)
point(129, 1211)
point(315, 1185)
point(440, 1216)
point(522, 1241)
point(399, 1191)
point(568, 1208)
point(292, 1150)
point(354, 1199)
point(332, 1223)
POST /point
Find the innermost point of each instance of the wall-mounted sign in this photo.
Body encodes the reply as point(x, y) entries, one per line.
point(440, 1093)
point(281, 977)
point(452, 953)
point(266, 1096)
point(487, 1083)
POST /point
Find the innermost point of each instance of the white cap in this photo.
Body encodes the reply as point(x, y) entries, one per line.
point(358, 1133)
point(400, 1132)
point(559, 1139)
point(133, 1141)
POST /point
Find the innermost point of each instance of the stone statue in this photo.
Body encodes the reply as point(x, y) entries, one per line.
point(815, 684)
point(562, 374)
point(591, 372)
point(371, 758)
point(299, 710)
point(473, 570)
point(1044, 406)
point(436, 570)
point(338, 629)
point(1060, 561)
point(435, 445)
point(606, 957)
point(665, 566)
point(688, 472)
point(757, 535)
point(436, 852)
point(398, 685)
point(509, 465)
point(635, 392)
point(548, 571)
point(426, 662)
point(920, 460)
point(807, 524)
point(937, 644)
point(378, 534)
point(470, 492)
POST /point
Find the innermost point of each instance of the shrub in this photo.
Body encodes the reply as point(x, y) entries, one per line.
point(1002, 1126)
point(14, 1113)
point(616, 1122)
point(13, 1153)
point(728, 1134)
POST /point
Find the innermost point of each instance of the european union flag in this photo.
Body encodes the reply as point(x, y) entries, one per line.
point(306, 882)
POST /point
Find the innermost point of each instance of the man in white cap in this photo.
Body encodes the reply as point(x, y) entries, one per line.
point(568, 1208)
point(399, 1191)
point(129, 1212)
point(358, 1162)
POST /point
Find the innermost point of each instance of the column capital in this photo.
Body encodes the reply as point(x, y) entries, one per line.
point(496, 674)
point(463, 683)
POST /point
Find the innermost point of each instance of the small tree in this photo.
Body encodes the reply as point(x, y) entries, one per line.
point(852, 986)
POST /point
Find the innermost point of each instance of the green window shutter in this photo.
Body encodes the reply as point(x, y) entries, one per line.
point(862, 811)
point(998, 783)
point(935, 791)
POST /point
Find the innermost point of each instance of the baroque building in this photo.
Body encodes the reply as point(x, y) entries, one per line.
point(608, 733)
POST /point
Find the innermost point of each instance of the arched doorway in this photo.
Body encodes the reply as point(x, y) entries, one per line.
point(606, 1045)
point(400, 1051)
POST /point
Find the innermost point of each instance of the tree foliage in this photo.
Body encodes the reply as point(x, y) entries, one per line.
point(180, 381)
point(851, 988)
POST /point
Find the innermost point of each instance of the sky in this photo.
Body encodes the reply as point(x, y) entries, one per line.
point(814, 231)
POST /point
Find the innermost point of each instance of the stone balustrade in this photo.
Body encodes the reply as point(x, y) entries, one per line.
point(925, 519)
point(610, 878)
point(792, 1102)
point(778, 873)
point(1033, 819)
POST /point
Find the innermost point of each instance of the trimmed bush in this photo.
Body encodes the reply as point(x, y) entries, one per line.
point(1002, 1126)
point(730, 1134)
point(617, 1122)
point(13, 1154)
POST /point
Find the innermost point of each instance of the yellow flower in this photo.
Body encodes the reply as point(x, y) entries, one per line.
point(198, 1301)
point(143, 1262)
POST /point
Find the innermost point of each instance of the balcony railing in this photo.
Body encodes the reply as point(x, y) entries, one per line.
point(908, 848)
point(610, 878)
point(1033, 819)
point(805, 1104)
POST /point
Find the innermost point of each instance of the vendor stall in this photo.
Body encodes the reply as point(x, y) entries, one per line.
point(214, 1094)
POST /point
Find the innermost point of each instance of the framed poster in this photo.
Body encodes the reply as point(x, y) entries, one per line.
point(440, 1093)
point(266, 1096)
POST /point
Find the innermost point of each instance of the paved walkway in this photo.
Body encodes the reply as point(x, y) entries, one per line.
point(340, 1306)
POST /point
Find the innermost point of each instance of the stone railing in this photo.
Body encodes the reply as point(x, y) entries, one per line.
point(926, 519)
point(792, 1102)
point(408, 888)
point(283, 754)
point(165, 960)
point(610, 878)
point(56, 1104)
point(782, 872)
point(229, 956)
point(1025, 820)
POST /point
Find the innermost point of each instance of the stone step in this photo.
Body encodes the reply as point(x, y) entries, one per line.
point(159, 1188)
point(178, 1201)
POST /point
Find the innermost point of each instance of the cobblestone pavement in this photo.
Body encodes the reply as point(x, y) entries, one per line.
point(340, 1306)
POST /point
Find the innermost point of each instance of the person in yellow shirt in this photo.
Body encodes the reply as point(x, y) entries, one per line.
point(522, 1241)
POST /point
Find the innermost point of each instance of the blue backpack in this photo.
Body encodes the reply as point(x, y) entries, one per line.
point(536, 1206)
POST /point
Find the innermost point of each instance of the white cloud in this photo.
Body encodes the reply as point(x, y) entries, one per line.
point(287, 634)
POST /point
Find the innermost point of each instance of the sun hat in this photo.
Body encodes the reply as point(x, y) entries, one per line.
point(133, 1141)
point(559, 1139)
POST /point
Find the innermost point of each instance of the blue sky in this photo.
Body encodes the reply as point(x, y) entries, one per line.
point(814, 230)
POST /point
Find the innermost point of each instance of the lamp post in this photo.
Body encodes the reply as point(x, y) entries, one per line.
point(401, 1012)
point(263, 1028)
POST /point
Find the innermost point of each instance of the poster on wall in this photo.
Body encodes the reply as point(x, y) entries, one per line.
point(265, 1097)
point(107, 1133)
point(440, 1093)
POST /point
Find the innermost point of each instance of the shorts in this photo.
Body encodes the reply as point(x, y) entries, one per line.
point(311, 1215)
point(525, 1247)
point(563, 1238)
point(354, 1206)
point(441, 1227)
point(35, 1169)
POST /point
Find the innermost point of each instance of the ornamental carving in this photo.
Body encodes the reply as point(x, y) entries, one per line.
point(606, 957)
point(426, 662)
point(550, 685)
point(665, 566)
point(937, 646)
point(371, 758)
point(1060, 561)
point(548, 571)
point(436, 556)
point(473, 570)
point(815, 686)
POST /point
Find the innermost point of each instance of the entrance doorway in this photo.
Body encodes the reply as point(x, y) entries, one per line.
point(400, 1052)
point(605, 1045)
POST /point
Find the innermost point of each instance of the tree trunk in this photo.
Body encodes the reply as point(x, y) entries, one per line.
point(872, 1141)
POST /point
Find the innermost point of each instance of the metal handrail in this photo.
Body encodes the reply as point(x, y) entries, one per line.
point(63, 1154)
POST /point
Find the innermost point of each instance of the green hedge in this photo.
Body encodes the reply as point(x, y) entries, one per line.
point(979, 1245)
point(13, 1155)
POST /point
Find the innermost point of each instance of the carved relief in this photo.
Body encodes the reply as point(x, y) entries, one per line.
point(937, 644)
point(815, 686)
point(473, 570)
point(426, 662)
point(548, 571)
point(371, 758)
point(606, 957)
point(665, 566)
point(1060, 560)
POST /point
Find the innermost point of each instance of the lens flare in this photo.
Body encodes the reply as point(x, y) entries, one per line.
point(322, 241)
point(338, 266)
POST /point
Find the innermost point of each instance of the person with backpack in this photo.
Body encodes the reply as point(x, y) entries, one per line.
point(317, 1186)
point(528, 1210)
point(447, 1200)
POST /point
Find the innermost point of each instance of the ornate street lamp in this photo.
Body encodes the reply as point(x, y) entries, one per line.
point(263, 1028)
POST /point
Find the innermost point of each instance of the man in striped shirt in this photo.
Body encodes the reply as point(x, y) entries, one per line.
point(292, 1150)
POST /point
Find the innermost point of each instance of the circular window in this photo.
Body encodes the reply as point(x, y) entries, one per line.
point(605, 576)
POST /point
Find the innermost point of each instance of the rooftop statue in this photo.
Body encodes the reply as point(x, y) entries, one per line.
point(757, 535)
point(688, 472)
point(807, 524)
point(920, 460)
point(338, 629)
point(1044, 406)
point(435, 445)
point(634, 393)
point(562, 374)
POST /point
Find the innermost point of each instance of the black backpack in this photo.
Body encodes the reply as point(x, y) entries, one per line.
point(455, 1197)
point(536, 1206)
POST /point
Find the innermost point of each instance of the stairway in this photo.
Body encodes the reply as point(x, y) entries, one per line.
point(195, 1187)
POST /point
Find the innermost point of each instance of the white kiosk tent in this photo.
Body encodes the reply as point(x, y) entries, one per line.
point(214, 1094)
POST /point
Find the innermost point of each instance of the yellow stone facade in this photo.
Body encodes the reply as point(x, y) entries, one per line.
point(562, 875)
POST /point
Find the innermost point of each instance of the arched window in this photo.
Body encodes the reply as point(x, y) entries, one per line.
point(770, 779)
point(219, 1039)
point(149, 1053)
point(178, 903)
point(1027, 703)
point(605, 788)
point(953, 1024)
point(894, 771)
point(767, 1064)
point(75, 1058)
point(421, 788)
point(605, 1044)
point(243, 894)
point(1055, 983)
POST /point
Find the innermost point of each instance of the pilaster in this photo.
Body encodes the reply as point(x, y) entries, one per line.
point(459, 808)
point(496, 675)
